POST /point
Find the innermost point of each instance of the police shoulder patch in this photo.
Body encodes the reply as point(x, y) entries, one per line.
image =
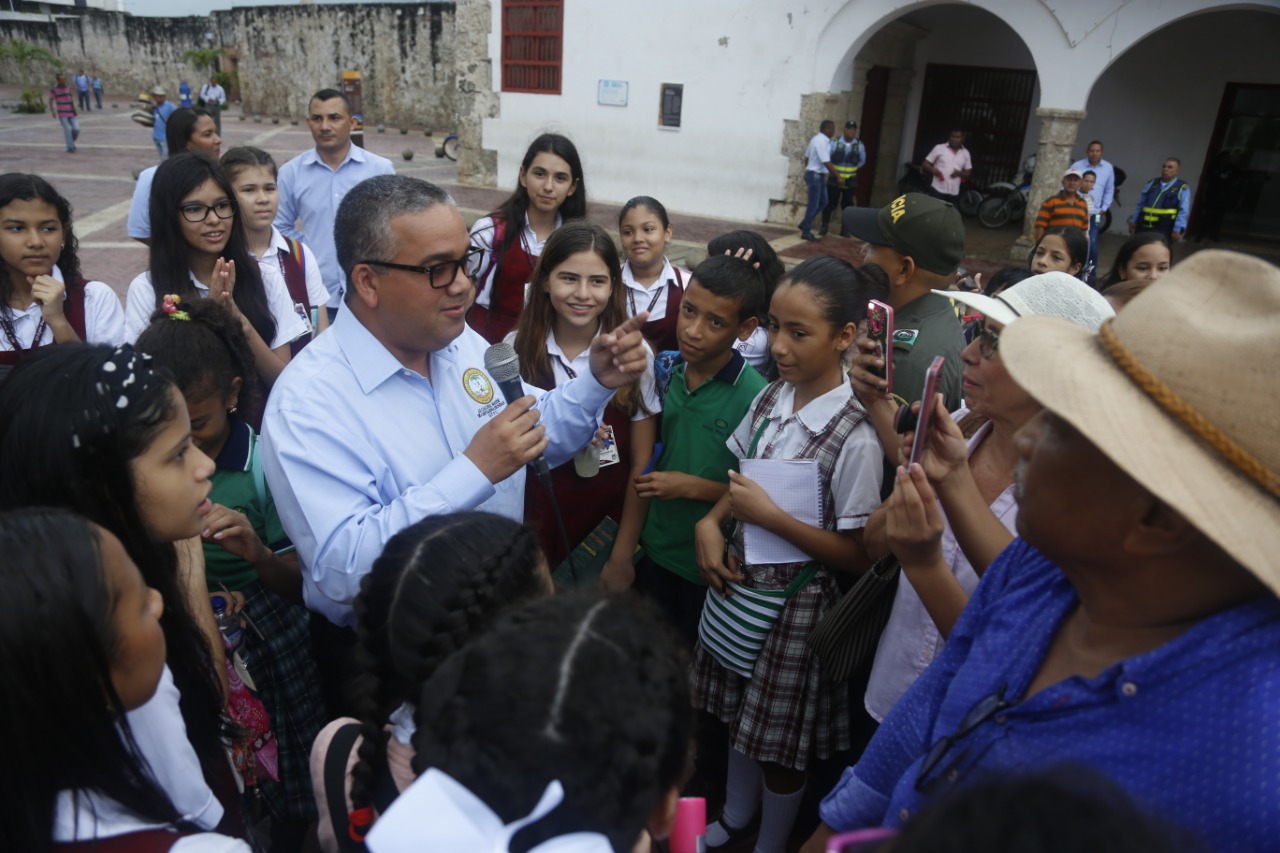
point(905, 337)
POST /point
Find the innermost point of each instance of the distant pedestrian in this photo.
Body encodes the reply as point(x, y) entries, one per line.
point(1065, 207)
point(817, 157)
point(848, 155)
point(184, 94)
point(82, 83)
point(951, 165)
point(213, 98)
point(160, 112)
point(97, 88)
point(1103, 193)
point(1165, 203)
point(63, 107)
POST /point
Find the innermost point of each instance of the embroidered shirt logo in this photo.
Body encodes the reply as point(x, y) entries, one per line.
point(477, 385)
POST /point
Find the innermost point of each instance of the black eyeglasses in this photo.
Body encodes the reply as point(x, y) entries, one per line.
point(988, 339)
point(197, 212)
point(978, 714)
point(442, 274)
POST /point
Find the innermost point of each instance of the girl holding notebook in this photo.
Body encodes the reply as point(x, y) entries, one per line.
point(786, 714)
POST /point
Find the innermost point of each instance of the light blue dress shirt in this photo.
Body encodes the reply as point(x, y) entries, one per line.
point(356, 447)
point(160, 116)
point(311, 191)
point(1104, 181)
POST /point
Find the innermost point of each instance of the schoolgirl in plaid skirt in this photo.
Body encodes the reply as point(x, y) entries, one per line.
point(787, 713)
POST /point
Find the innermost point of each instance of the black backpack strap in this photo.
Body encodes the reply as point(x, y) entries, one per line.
point(385, 790)
point(335, 785)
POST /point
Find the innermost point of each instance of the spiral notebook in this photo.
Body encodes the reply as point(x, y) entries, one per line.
point(795, 486)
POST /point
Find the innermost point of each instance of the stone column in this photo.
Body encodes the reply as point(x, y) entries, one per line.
point(795, 138)
point(476, 99)
point(1058, 129)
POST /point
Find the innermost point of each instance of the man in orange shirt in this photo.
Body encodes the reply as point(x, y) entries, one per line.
point(1065, 208)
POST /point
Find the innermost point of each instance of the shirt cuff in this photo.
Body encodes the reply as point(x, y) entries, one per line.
point(852, 804)
point(462, 484)
point(587, 392)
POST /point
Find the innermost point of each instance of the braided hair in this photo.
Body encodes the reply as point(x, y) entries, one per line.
point(437, 584)
point(204, 353)
point(587, 690)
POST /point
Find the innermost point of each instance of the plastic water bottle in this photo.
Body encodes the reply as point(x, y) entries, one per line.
point(228, 623)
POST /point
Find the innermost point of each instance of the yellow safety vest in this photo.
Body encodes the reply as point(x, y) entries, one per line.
point(1152, 214)
point(845, 170)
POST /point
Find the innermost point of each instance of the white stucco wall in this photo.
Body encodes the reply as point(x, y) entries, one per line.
point(745, 66)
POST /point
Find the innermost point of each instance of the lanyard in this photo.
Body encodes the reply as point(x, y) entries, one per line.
point(755, 440)
point(573, 374)
point(9, 333)
point(631, 297)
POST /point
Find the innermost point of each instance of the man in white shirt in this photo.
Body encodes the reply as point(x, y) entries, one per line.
point(817, 168)
point(313, 184)
point(950, 164)
point(212, 98)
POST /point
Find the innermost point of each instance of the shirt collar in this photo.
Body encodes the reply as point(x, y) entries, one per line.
point(371, 362)
point(553, 348)
point(278, 243)
point(921, 306)
point(733, 369)
point(354, 152)
point(237, 453)
point(817, 416)
point(667, 274)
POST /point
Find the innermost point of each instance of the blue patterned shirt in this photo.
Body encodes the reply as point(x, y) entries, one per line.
point(1190, 729)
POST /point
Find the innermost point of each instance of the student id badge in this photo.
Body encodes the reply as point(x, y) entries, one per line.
point(609, 456)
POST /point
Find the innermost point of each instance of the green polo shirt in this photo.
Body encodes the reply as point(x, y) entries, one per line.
point(695, 427)
point(234, 486)
point(925, 327)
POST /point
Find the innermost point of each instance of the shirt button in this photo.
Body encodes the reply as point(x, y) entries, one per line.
point(904, 815)
point(953, 775)
point(1001, 719)
point(1129, 688)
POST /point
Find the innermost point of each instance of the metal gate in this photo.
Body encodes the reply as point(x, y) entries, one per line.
point(991, 105)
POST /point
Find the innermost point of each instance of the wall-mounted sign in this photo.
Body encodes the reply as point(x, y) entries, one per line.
point(670, 105)
point(612, 93)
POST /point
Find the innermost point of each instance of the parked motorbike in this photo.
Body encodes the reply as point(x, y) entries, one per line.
point(1007, 201)
point(1105, 225)
point(916, 179)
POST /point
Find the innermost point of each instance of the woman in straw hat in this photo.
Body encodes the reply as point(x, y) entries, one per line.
point(949, 526)
point(1136, 629)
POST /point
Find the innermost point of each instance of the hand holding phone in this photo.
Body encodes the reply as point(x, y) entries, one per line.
point(925, 419)
point(880, 330)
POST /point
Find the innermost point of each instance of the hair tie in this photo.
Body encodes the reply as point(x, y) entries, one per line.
point(358, 823)
point(170, 307)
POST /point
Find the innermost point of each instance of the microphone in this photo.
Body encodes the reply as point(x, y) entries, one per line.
point(503, 366)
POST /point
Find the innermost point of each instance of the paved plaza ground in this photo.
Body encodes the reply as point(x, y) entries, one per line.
point(99, 180)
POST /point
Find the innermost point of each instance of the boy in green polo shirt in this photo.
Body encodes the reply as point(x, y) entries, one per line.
point(709, 394)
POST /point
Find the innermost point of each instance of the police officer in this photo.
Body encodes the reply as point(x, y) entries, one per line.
point(848, 154)
point(1165, 204)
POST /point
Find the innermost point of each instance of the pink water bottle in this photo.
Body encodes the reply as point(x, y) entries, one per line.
point(689, 835)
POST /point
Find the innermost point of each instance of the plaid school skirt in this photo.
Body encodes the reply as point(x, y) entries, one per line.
point(284, 672)
point(787, 712)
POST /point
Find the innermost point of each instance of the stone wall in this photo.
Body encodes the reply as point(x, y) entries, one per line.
point(282, 54)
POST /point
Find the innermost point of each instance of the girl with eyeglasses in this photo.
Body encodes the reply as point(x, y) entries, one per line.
point(198, 251)
point(951, 513)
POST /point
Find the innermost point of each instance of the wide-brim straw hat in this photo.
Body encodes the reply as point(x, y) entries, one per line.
point(1180, 392)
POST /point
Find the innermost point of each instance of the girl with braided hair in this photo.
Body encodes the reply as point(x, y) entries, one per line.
point(437, 585)
point(201, 347)
point(96, 431)
point(585, 691)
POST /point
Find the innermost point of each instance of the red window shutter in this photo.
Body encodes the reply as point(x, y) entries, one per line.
point(532, 45)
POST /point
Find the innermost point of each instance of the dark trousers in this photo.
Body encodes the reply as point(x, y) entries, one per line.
point(838, 199)
point(679, 599)
point(334, 648)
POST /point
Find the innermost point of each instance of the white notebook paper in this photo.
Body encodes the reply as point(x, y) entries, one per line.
point(794, 485)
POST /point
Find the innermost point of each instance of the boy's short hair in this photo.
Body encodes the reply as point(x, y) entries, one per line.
point(733, 278)
point(1089, 173)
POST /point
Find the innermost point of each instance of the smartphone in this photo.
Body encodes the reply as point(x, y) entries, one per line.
point(925, 420)
point(860, 841)
point(880, 330)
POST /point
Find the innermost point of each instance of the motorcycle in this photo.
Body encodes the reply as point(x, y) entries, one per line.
point(1105, 224)
point(1007, 202)
point(917, 179)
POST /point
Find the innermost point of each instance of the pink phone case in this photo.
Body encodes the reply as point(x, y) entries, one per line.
point(925, 421)
point(880, 330)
